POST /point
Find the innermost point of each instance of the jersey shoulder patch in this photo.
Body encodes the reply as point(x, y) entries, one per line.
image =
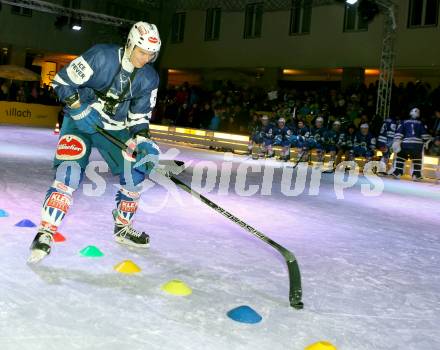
point(79, 71)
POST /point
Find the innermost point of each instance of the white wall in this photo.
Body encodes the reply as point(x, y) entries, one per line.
point(326, 47)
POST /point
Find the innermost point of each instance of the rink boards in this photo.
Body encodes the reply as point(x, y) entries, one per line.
point(239, 144)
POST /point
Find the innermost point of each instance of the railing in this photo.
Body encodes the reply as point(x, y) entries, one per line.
point(239, 143)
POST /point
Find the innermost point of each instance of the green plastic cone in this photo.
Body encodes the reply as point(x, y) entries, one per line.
point(91, 252)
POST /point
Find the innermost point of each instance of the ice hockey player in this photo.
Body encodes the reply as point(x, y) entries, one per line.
point(364, 143)
point(267, 137)
point(114, 88)
point(411, 134)
point(282, 138)
point(346, 142)
point(331, 142)
point(316, 139)
point(385, 141)
point(299, 139)
point(292, 124)
point(256, 137)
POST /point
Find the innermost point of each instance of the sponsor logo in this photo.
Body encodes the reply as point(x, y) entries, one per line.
point(62, 187)
point(153, 40)
point(128, 207)
point(59, 201)
point(79, 71)
point(14, 112)
point(70, 147)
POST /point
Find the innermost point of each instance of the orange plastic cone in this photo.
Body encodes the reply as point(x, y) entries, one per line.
point(58, 237)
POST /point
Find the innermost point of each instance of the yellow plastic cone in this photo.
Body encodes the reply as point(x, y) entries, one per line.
point(176, 287)
point(128, 267)
point(321, 345)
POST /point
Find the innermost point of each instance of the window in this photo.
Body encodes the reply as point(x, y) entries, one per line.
point(178, 27)
point(21, 11)
point(253, 20)
point(352, 21)
point(300, 17)
point(423, 13)
point(212, 26)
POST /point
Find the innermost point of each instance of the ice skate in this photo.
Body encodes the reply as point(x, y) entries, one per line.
point(41, 246)
point(126, 234)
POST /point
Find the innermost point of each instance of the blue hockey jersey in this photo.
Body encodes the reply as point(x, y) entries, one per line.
point(346, 139)
point(304, 132)
point(102, 74)
point(332, 137)
point(412, 133)
point(318, 133)
point(267, 131)
point(387, 132)
point(282, 135)
point(366, 141)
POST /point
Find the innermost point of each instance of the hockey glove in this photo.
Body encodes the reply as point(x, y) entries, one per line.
point(148, 152)
point(396, 146)
point(428, 143)
point(86, 118)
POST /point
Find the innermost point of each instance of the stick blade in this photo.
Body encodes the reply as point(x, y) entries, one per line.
point(170, 167)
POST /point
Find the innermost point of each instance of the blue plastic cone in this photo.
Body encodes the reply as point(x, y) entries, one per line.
point(3, 213)
point(244, 314)
point(25, 223)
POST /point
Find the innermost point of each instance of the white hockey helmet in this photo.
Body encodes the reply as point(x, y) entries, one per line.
point(319, 120)
point(364, 126)
point(146, 36)
point(265, 118)
point(282, 120)
point(414, 113)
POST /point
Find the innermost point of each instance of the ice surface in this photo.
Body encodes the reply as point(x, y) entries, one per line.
point(370, 265)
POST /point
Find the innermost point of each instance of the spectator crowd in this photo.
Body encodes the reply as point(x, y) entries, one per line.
point(27, 92)
point(238, 109)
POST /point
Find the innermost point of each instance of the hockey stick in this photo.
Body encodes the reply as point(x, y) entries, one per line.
point(121, 145)
point(329, 171)
point(295, 292)
point(299, 160)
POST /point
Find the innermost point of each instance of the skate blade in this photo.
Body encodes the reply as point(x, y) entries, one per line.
point(36, 256)
point(122, 240)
